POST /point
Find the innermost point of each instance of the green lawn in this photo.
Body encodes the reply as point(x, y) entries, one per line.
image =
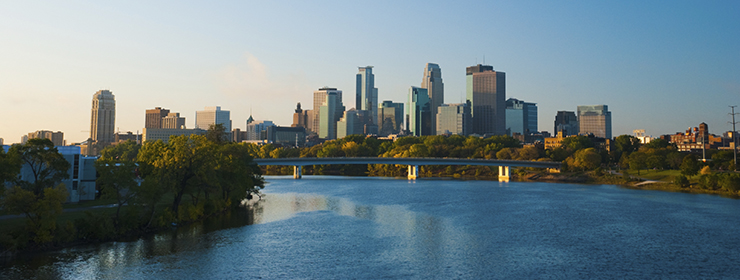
point(657, 175)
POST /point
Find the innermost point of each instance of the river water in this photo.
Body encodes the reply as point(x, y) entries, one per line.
point(324, 227)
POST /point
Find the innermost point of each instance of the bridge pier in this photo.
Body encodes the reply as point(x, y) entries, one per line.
point(413, 172)
point(503, 174)
point(297, 171)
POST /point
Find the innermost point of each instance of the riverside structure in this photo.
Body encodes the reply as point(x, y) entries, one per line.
point(413, 163)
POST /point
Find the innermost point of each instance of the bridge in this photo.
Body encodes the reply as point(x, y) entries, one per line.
point(413, 163)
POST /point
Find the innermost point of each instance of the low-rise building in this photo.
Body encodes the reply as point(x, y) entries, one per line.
point(154, 134)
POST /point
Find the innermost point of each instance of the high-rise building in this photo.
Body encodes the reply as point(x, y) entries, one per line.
point(419, 117)
point(566, 122)
point(596, 120)
point(432, 81)
point(327, 110)
point(211, 116)
point(454, 119)
point(367, 94)
point(56, 137)
point(390, 118)
point(173, 120)
point(102, 122)
point(486, 91)
point(349, 124)
point(154, 117)
point(521, 117)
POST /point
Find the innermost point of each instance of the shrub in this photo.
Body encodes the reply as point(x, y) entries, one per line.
point(681, 181)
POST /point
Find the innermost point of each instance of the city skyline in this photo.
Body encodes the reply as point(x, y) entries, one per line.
point(675, 64)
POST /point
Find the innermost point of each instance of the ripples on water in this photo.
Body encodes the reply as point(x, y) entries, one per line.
point(343, 228)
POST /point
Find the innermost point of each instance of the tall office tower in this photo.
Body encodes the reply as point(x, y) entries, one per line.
point(56, 137)
point(432, 81)
point(566, 122)
point(154, 117)
point(521, 117)
point(596, 120)
point(326, 119)
point(419, 117)
point(530, 118)
point(173, 120)
point(211, 116)
point(486, 91)
point(454, 119)
point(367, 95)
point(103, 121)
point(390, 118)
point(349, 124)
point(300, 117)
point(24, 139)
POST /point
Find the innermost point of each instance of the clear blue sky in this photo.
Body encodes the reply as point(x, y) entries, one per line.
point(662, 66)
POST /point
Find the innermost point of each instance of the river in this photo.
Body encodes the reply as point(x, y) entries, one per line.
point(324, 227)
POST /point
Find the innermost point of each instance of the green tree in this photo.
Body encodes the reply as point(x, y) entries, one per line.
point(46, 165)
point(638, 161)
point(681, 181)
point(690, 166)
point(587, 159)
point(625, 144)
point(118, 175)
point(217, 133)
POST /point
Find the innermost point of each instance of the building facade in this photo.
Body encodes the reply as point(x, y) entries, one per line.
point(327, 110)
point(154, 117)
point(596, 120)
point(566, 122)
point(432, 81)
point(366, 97)
point(390, 118)
point(154, 134)
point(300, 117)
point(211, 116)
point(521, 117)
point(419, 117)
point(349, 124)
point(256, 130)
point(486, 92)
point(56, 137)
point(102, 121)
point(286, 136)
point(173, 120)
point(454, 119)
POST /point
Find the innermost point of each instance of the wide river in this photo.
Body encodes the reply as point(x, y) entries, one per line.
point(324, 227)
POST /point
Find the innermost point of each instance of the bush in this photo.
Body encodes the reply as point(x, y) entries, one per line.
point(731, 182)
point(681, 181)
point(708, 182)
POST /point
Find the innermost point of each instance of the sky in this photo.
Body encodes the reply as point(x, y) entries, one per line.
point(662, 66)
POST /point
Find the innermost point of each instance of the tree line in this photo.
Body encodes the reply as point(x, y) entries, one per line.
point(153, 185)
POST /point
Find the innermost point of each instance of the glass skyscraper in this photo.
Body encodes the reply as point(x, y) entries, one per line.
point(432, 81)
point(486, 92)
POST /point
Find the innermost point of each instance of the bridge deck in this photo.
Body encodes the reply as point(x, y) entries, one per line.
point(405, 161)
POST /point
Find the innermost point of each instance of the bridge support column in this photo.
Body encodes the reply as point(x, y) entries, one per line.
point(297, 171)
point(503, 174)
point(413, 172)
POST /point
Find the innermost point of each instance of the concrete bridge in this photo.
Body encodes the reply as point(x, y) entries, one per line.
point(413, 163)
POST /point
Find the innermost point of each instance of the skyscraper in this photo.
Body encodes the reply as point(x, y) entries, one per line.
point(486, 91)
point(432, 81)
point(419, 117)
point(390, 118)
point(154, 117)
point(102, 121)
point(566, 122)
point(367, 95)
point(453, 119)
point(596, 120)
point(211, 116)
point(327, 110)
point(521, 117)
